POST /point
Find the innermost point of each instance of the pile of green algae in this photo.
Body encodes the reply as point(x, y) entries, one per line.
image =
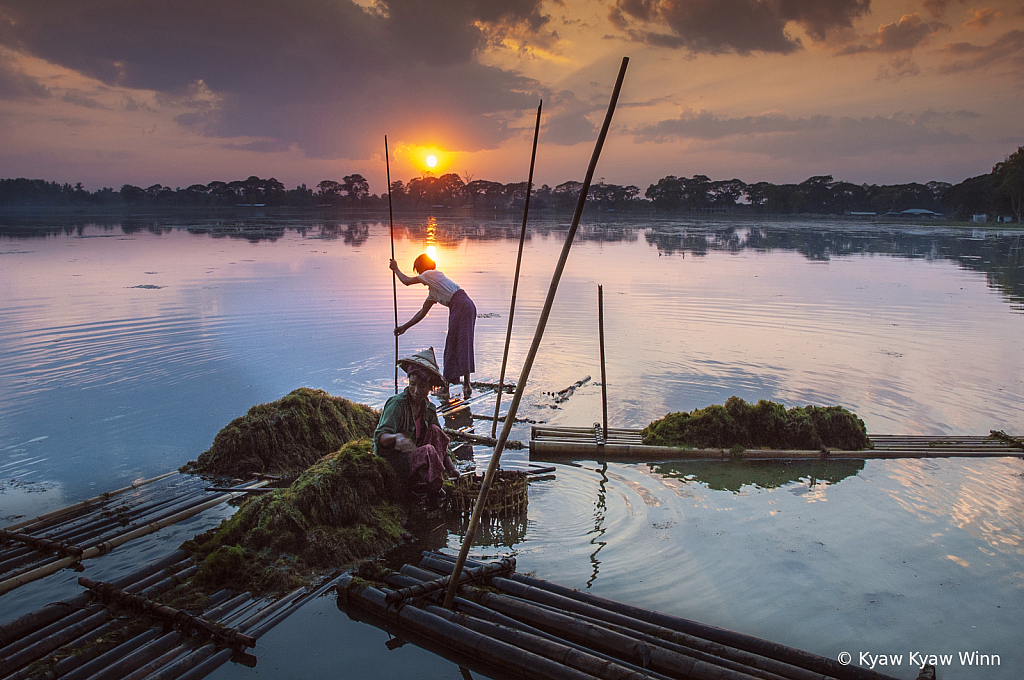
point(346, 507)
point(344, 503)
point(285, 436)
point(764, 425)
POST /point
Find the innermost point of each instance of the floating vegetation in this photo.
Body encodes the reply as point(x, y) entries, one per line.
point(562, 396)
point(999, 435)
point(344, 508)
point(765, 425)
point(285, 436)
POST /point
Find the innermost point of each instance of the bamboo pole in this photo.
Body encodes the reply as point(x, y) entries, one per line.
point(605, 640)
point(524, 374)
point(33, 621)
point(766, 648)
point(142, 656)
point(480, 439)
point(515, 279)
point(479, 612)
point(67, 633)
point(459, 639)
point(503, 565)
point(107, 546)
point(176, 651)
point(604, 378)
point(92, 527)
point(92, 666)
point(88, 503)
point(394, 276)
point(558, 651)
point(650, 633)
point(108, 593)
point(104, 531)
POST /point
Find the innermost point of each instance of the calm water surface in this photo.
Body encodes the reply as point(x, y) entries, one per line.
point(125, 347)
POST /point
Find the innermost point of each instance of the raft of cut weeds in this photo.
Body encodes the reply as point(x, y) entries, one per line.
point(345, 508)
point(765, 425)
point(285, 436)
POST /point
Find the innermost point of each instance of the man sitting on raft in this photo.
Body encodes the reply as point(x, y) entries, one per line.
point(409, 435)
point(459, 360)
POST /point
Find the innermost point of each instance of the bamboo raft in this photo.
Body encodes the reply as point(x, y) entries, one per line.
point(117, 630)
point(550, 443)
point(38, 547)
point(505, 624)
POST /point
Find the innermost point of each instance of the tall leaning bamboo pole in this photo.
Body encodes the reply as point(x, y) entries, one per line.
point(604, 378)
point(515, 280)
point(492, 467)
point(394, 276)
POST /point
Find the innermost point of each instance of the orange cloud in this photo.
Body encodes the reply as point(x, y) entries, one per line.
point(909, 32)
point(982, 18)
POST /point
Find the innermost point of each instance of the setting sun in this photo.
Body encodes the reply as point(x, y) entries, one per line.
point(426, 158)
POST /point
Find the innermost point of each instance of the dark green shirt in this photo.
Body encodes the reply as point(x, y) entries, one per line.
point(397, 418)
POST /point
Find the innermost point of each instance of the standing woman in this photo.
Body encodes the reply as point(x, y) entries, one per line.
point(459, 360)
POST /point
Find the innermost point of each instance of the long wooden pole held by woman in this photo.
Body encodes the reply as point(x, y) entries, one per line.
point(394, 284)
point(492, 467)
point(515, 281)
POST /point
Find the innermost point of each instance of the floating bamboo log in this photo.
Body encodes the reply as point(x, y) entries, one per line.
point(80, 530)
point(88, 503)
point(152, 654)
point(499, 654)
point(613, 670)
point(29, 623)
point(502, 566)
point(109, 593)
point(569, 443)
point(107, 546)
point(642, 620)
point(480, 439)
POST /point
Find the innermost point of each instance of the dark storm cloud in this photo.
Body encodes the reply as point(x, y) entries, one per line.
point(326, 75)
point(900, 36)
point(707, 126)
point(1006, 49)
point(781, 136)
point(741, 26)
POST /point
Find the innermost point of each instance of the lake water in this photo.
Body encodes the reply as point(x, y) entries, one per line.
point(126, 345)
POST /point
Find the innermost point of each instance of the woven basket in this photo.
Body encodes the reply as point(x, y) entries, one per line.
point(507, 496)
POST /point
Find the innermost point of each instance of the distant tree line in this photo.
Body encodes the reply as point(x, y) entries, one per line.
point(1000, 192)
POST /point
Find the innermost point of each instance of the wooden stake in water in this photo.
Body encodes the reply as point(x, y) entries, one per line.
point(510, 417)
point(515, 280)
point(394, 277)
point(604, 379)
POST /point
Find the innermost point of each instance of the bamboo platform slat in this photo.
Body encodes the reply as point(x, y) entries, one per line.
point(86, 504)
point(551, 443)
point(66, 639)
point(68, 537)
point(527, 627)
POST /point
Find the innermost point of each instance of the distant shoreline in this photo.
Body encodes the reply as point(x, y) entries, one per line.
point(17, 215)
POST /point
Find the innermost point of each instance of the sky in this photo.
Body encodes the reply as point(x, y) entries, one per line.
point(180, 92)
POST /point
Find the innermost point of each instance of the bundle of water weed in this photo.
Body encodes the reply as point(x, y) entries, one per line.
point(285, 436)
point(765, 425)
point(344, 508)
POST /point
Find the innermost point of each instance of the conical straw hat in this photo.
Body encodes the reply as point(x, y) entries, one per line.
point(424, 360)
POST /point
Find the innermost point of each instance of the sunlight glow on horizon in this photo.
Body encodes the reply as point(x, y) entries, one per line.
point(426, 158)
